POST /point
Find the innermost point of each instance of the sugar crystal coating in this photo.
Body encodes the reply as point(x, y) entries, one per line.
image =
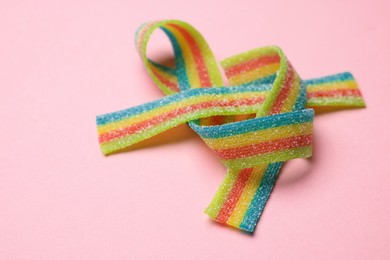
point(263, 88)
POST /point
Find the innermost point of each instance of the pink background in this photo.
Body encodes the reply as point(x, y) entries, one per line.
point(62, 63)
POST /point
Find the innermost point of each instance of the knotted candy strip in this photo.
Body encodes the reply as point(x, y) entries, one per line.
point(262, 83)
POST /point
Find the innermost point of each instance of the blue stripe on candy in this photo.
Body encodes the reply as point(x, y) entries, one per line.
point(261, 197)
point(169, 70)
point(123, 114)
point(332, 78)
point(181, 71)
point(255, 124)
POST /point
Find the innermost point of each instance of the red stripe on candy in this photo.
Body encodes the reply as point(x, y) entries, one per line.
point(234, 195)
point(171, 85)
point(143, 125)
point(265, 147)
point(284, 91)
point(335, 93)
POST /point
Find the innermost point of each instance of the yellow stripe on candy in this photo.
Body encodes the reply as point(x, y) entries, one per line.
point(252, 75)
point(335, 102)
point(247, 196)
point(247, 56)
point(259, 136)
point(348, 84)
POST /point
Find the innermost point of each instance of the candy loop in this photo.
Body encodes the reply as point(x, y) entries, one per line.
point(262, 82)
point(195, 63)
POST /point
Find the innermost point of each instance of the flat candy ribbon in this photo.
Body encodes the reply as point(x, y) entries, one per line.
point(261, 118)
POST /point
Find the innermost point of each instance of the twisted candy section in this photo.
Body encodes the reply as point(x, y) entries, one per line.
point(263, 89)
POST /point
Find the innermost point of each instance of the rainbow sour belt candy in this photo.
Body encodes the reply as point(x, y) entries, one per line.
point(263, 89)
